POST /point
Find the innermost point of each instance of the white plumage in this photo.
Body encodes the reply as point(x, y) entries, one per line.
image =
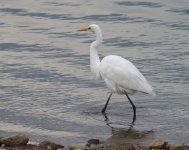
point(122, 76)
point(119, 74)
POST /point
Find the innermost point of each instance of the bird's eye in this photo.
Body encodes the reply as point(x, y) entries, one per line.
point(89, 28)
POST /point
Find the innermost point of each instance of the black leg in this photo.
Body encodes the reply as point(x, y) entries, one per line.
point(134, 108)
point(105, 106)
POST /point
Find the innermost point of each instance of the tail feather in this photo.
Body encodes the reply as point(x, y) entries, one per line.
point(149, 89)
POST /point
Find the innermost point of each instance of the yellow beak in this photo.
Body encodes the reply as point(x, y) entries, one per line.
point(84, 29)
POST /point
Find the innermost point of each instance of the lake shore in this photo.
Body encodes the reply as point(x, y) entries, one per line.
point(21, 142)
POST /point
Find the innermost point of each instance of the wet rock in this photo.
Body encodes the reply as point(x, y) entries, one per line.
point(127, 146)
point(75, 147)
point(178, 147)
point(17, 140)
point(94, 141)
point(159, 144)
point(141, 147)
point(80, 147)
point(26, 147)
point(88, 145)
point(48, 145)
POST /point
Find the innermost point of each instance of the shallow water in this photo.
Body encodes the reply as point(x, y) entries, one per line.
point(47, 89)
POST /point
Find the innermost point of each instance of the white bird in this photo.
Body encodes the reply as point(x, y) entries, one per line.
point(119, 74)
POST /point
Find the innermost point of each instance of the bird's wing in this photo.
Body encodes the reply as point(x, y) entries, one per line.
point(122, 75)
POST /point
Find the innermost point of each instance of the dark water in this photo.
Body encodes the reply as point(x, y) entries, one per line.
point(46, 87)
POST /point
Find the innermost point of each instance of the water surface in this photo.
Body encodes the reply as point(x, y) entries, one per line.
point(47, 89)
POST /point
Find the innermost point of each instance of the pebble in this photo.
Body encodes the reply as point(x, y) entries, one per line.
point(48, 145)
point(158, 144)
point(75, 147)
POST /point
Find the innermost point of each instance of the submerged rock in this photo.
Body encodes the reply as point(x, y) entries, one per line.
point(17, 140)
point(94, 141)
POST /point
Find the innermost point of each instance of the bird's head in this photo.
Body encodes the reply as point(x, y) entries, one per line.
point(92, 27)
point(96, 29)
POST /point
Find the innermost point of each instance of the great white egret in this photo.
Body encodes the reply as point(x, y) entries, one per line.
point(119, 74)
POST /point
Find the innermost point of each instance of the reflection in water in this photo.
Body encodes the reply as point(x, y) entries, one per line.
point(128, 134)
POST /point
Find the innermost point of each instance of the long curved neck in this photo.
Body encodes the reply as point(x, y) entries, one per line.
point(94, 58)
